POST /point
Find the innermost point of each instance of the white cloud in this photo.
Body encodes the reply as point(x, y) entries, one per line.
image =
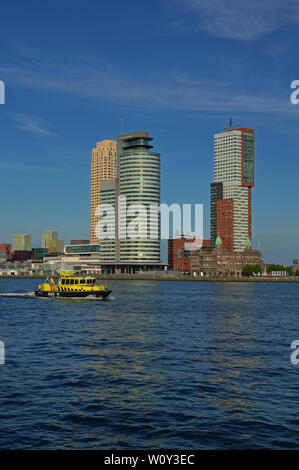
point(166, 92)
point(242, 19)
point(32, 124)
point(171, 90)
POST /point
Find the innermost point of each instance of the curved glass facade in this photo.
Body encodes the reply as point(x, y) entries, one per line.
point(81, 249)
point(139, 182)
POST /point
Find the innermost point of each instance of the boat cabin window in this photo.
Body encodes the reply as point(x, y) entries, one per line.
point(76, 281)
point(82, 281)
point(63, 281)
point(67, 281)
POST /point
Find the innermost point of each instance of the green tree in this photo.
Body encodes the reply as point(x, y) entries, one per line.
point(251, 269)
point(278, 267)
point(289, 270)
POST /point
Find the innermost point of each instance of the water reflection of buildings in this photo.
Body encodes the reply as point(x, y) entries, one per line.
point(234, 361)
point(123, 352)
point(121, 382)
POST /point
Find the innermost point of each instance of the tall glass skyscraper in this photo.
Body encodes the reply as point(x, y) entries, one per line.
point(139, 184)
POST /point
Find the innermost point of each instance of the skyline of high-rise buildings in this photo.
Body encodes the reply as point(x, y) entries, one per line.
point(127, 167)
point(136, 181)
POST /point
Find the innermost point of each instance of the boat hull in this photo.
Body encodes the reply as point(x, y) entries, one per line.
point(80, 295)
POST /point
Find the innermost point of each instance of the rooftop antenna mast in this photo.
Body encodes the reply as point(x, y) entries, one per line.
point(230, 125)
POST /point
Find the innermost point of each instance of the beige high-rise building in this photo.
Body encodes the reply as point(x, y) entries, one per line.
point(21, 243)
point(103, 167)
point(47, 236)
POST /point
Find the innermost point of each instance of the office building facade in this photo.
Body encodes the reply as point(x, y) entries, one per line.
point(231, 191)
point(5, 249)
point(180, 251)
point(22, 255)
point(133, 178)
point(108, 241)
point(56, 246)
point(80, 242)
point(296, 266)
point(39, 253)
point(222, 262)
point(47, 237)
point(138, 183)
point(21, 243)
point(103, 167)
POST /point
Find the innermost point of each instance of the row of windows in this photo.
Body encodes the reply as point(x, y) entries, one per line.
point(140, 190)
point(138, 183)
point(148, 154)
point(142, 177)
point(77, 281)
point(139, 161)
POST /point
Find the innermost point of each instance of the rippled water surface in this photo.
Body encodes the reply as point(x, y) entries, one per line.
point(160, 365)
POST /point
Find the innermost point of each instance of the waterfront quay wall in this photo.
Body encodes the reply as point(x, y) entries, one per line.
point(166, 277)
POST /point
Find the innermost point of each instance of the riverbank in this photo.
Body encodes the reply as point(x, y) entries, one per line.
point(138, 277)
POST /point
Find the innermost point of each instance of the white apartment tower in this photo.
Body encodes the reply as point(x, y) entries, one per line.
point(231, 190)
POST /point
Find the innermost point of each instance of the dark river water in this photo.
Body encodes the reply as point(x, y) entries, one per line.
point(161, 365)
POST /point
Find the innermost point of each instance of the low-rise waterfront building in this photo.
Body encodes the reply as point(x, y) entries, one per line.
point(80, 242)
point(179, 252)
point(82, 250)
point(296, 266)
point(22, 255)
point(56, 246)
point(5, 249)
point(39, 253)
point(221, 262)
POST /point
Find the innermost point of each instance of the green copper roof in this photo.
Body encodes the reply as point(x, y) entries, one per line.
point(218, 241)
point(248, 242)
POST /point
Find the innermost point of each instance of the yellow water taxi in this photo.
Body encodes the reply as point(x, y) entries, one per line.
point(73, 285)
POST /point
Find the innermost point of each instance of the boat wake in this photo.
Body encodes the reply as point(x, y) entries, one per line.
point(31, 295)
point(80, 299)
point(18, 294)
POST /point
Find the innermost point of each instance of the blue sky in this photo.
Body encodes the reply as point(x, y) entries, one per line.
point(177, 68)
